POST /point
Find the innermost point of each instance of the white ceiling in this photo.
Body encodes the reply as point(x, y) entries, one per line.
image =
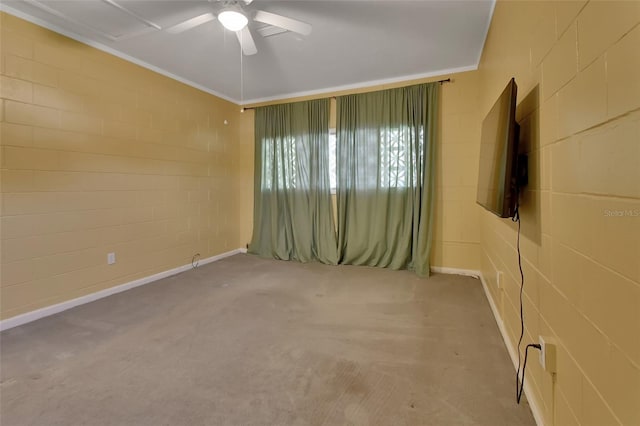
point(353, 43)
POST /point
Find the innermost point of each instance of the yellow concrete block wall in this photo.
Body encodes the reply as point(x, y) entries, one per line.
point(457, 228)
point(99, 155)
point(577, 65)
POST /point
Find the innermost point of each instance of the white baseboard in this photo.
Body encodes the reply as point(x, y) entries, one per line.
point(456, 271)
point(59, 307)
point(535, 409)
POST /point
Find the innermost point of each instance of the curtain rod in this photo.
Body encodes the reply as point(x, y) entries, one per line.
point(446, 80)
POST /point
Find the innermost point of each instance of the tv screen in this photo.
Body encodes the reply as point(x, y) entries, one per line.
point(497, 177)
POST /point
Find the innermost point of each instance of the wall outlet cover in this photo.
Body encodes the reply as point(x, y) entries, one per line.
point(548, 354)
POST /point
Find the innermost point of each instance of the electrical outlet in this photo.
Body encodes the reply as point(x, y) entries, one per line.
point(548, 354)
point(111, 258)
point(499, 278)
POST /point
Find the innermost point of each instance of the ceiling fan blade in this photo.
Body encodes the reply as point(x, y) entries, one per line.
point(282, 22)
point(246, 42)
point(191, 23)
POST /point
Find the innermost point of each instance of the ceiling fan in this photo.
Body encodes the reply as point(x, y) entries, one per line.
point(235, 18)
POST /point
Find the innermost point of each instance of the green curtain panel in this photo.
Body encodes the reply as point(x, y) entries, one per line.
point(293, 217)
point(385, 177)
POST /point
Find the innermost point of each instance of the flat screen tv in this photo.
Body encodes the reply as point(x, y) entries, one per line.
point(498, 172)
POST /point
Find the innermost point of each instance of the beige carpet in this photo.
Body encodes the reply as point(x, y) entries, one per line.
point(249, 341)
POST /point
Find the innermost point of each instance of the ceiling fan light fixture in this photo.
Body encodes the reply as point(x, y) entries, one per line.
point(232, 20)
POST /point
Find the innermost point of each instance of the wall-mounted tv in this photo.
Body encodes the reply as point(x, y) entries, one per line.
point(498, 172)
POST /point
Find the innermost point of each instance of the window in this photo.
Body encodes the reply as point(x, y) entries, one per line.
point(398, 160)
point(332, 160)
point(283, 152)
point(393, 162)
